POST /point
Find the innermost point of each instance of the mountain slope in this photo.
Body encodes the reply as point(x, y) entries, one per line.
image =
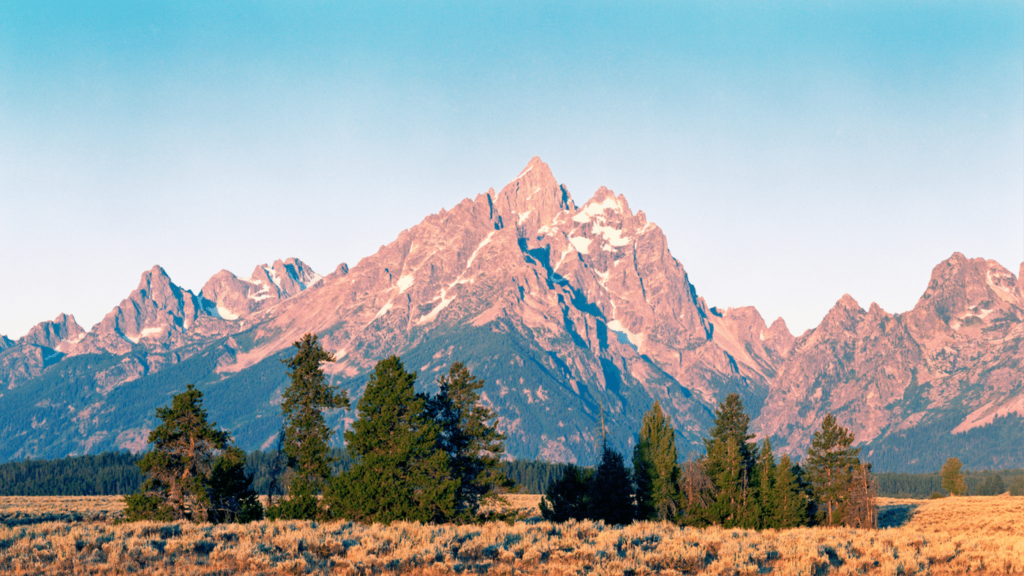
point(567, 311)
point(949, 365)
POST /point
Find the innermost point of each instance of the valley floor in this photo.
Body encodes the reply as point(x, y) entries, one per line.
point(978, 535)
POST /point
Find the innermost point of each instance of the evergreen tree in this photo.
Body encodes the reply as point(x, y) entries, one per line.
point(1017, 487)
point(569, 496)
point(789, 502)
point(178, 466)
point(656, 468)
point(467, 435)
point(611, 489)
point(992, 486)
point(730, 464)
point(830, 464)
point(952, 478)
point(306, 435)
point(399, 473)
point(231, 495)
point(767, 496)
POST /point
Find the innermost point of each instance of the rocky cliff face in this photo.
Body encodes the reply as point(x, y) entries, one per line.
point(955, 358)
point(233, 297)
point(45, 344)
point(566, 310)
point(57, 335)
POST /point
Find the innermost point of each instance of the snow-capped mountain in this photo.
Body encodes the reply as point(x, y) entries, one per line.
point(566, 310)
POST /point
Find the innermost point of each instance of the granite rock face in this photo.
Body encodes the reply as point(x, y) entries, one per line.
point(45, 344)
point(955, 357)
point(233, 297)
point(567, 311)
point(57, 335)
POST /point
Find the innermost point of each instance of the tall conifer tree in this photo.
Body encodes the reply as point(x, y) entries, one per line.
point(611, 490)
point(194, 473)
point(830, 463)
point(656, 467)
point(467, 435)
point(306, 435)
point(730, 463)
point(767, 495)
point(399, 472)
point(790, 501)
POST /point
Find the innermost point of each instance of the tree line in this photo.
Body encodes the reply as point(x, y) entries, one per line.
point(952, 475)
point(116, 473)
point(736, 484)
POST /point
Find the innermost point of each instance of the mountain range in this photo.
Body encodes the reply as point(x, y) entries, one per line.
point(571, 313)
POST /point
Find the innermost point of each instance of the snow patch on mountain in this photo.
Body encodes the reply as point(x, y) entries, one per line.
point(582, 245)
point(432, 315)
point(225, 313)
point(477, 251)
point(592, 209)
point(613, 236)
point(634, 339)
point(405, 282)
point(383, 310)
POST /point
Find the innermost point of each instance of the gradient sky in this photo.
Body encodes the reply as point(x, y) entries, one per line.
point(791, 151)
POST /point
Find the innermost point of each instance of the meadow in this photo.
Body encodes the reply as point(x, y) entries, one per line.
point(60, 535)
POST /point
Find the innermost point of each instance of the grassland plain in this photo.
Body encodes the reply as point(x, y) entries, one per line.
point(976, 535)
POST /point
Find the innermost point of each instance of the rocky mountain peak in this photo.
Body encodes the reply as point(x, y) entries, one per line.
point(157, 312)
point(779, 338)
point(533, 199)
point(339, 272)
point(5, 342)
point(235, 297)
point(841, 319)
point(54, 334)
point(962, 287)
point(1020, 279)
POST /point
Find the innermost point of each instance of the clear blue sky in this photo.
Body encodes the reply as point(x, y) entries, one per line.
point(791, 151)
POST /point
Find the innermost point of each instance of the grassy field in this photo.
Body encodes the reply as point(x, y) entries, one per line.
point(978, 535)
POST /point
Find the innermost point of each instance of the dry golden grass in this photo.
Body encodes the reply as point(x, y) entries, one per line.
point(15, 510)
point(980, 535)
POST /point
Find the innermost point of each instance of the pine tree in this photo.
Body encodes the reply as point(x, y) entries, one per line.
point(952, 478)
point(178, 466)
point(467, 435)
point(656, 468)
point(730, 464)
point(830, 464)
point(399, 473)
point(232, 498)
point(767, 496)
point(568, 498)
point(992, 486)
point(611, 489)
point(306, 435)
point(790, 500)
